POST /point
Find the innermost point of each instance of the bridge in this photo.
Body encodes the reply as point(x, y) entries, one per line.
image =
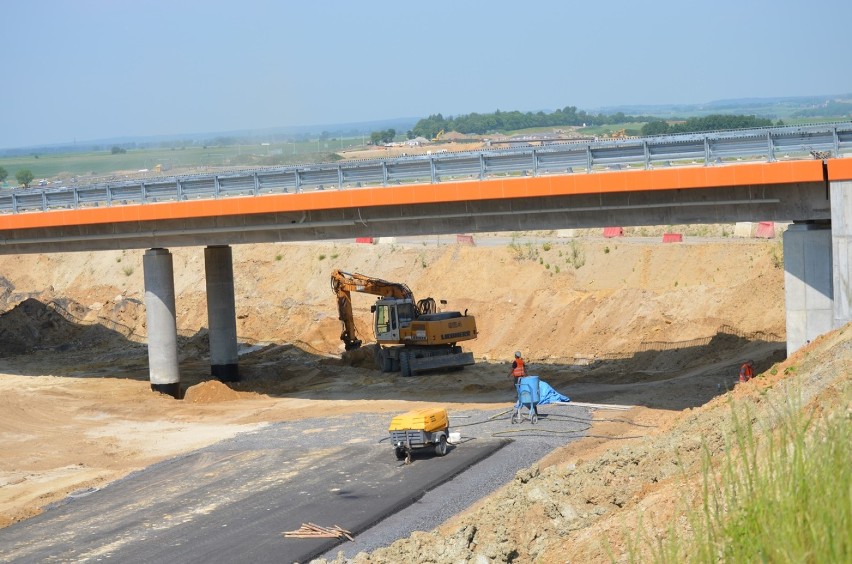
point(794, 174)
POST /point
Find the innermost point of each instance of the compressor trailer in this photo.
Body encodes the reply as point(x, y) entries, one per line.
point(419, 429)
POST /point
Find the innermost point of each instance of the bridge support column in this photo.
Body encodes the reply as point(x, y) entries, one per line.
point(162, 327)
point(841, 250)
point(221, 313)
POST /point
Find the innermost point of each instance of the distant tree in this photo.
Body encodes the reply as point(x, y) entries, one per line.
point(24, 176)
point(384, 136)
point(116, 150)
point(430, 126)
point(3, 174)
point(656, 127)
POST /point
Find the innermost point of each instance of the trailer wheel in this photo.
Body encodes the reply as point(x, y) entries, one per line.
point(400, 453)
point(405, 363)
point(441, 447)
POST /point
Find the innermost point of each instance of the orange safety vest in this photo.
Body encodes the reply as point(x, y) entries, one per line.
point(519, 371)
point(746, 373)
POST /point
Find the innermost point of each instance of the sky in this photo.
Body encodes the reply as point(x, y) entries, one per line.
point(82, 70)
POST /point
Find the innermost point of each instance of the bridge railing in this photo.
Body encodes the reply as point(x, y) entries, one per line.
point(705, 149)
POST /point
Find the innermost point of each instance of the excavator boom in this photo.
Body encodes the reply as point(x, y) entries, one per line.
point(344, 283)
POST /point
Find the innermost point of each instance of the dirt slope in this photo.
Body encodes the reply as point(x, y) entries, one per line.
point(661, 326)
point(556, 300)
point(588, 504)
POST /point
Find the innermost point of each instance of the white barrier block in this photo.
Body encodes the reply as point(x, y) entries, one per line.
point(743, 229)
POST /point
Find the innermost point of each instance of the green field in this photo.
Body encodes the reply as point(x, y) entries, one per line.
point(630, 129)
point(64, 166)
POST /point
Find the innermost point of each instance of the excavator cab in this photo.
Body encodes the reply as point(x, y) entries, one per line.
point(413, 336)
point(389, 316)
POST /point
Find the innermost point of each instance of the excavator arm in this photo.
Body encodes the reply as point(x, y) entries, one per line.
point(344, 283)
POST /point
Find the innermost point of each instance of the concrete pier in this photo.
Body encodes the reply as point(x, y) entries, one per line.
point(221, 314)
point(162, 327)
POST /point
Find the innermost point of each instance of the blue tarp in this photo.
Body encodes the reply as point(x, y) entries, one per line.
point(547, 394)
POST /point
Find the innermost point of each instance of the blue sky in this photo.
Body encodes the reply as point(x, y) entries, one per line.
point(94, 69)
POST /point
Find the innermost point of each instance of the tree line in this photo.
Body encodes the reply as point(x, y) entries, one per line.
point(480, 124)
point(514, 120)
point(717, 122)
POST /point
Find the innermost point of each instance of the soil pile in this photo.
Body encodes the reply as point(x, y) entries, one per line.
point(32, 325)
point(211, 391)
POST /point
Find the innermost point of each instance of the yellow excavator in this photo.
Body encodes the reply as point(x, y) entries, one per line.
point(411, 336)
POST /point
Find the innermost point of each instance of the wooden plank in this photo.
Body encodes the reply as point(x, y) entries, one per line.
point(595, 405)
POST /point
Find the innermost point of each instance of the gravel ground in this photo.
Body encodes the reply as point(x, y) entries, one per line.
point(557, 425)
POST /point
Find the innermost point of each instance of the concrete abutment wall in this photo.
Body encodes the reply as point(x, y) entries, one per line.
point(818, 271)
point(841, 250)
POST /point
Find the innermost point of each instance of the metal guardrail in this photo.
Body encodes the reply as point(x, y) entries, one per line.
point(705, 149)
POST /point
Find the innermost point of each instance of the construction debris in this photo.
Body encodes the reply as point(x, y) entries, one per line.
point(312, 531)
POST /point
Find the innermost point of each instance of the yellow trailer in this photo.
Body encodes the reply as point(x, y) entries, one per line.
point(417, 429)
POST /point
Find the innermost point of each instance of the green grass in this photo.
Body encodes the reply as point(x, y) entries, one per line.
point(786, 497)
point(525, 251)
point(801, 121)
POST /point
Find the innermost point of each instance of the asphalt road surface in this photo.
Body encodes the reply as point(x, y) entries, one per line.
point(231, 502)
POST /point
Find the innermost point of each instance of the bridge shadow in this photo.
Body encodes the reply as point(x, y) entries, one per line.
point(38, 339)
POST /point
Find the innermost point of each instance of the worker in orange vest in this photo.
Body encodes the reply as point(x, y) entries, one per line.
point(519, 368)
point(747, 371)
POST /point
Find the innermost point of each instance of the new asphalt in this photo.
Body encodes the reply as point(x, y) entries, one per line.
point(233, 501)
